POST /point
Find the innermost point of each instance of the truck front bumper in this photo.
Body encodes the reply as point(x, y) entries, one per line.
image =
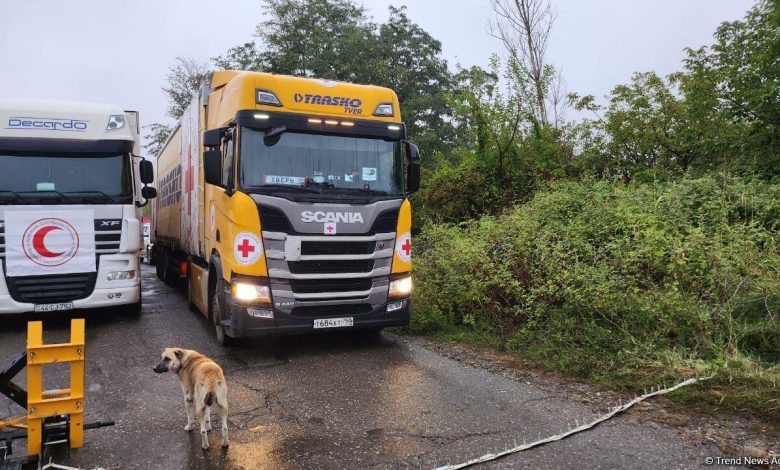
point(105, 294)
point(243, 324)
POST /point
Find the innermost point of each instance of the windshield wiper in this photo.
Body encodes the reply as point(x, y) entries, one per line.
point(16, 195)
point(323, 185)
point(374, 192)
point(286, 186)
point(100, 193)
point(61, 195)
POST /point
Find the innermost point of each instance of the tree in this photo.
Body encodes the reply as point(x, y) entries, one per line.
point(409, 61)
point(742, 70)
point(185, 78)
point(317, 38)
point(719, 113)
point(245, 56)
point(156, 136)
point(524, 27)
point(334, 39)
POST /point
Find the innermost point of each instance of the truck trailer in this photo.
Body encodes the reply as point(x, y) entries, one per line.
point(71, 184)
point(283, 203)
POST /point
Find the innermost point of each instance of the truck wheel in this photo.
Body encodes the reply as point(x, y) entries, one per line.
point(158, 266)
point(167, 277)
point(216, 314)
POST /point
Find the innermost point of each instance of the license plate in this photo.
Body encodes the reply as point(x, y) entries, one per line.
point(54, 307)
point(332, 322)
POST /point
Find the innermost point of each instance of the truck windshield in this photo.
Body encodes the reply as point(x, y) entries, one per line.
point(320, 163)
point(65, 178)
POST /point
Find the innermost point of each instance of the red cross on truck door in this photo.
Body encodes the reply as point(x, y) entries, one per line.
point(403, 247)
point(247, 248)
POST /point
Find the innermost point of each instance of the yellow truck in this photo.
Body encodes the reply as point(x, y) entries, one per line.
point(283, 203)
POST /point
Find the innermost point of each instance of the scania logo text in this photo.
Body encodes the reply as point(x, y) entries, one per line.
point(343, 217)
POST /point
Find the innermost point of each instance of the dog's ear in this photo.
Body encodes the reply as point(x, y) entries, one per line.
point(178, 353)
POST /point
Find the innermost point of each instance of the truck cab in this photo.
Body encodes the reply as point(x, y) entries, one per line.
point(71, 184)
point(289, 205)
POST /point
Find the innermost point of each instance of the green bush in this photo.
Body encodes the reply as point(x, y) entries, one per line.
point(625, 284)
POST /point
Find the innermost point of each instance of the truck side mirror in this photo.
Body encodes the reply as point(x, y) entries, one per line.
point(147, 171)
point(412, 152)
point(212, 166)
point(148, 192)
point(412, 167)
point(412, 177)
point(212, 138)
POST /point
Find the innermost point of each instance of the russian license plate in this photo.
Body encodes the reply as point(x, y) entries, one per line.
point(54, 307)
point(332, 322)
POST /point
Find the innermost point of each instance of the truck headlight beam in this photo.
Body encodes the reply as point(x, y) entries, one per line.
point(400, 287)
point(245, 292)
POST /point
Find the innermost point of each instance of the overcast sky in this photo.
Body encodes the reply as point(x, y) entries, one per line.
point(119, 51)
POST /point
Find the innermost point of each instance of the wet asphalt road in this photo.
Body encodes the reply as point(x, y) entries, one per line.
point(332, 401)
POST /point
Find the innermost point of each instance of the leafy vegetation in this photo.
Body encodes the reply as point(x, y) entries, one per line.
point(619, 283)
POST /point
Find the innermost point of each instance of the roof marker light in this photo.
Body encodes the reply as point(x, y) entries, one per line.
point(347, 123)
point(267, 97)
point(315, 121)
point(384, 109)
point(262, 116)
point(394, 127)
point(331, 122)
point(115, 122)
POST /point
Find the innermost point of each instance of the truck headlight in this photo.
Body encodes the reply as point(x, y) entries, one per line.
point(400, 287)
point(120, 275)
point(251, 293)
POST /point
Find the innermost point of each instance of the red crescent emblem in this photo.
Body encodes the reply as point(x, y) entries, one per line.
point(34, 242)
point(38, 242)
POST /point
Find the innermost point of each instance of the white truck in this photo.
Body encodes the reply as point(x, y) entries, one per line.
point(71, 185)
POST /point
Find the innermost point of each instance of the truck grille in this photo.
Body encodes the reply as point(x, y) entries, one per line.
point(331, 266)
point(337, 248)
point(313, 311)
point(312, 286)
point(108, 234)
point(51, 289)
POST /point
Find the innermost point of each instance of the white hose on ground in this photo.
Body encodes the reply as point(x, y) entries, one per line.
point(584, 427)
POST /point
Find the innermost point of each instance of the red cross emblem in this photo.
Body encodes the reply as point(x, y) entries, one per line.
point(403, 247)
point(407, 247)
point(245, 248)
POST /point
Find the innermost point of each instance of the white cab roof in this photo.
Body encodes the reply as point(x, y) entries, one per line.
point(61, 120)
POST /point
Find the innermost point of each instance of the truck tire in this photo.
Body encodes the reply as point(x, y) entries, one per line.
point(158, 266)
point(165, 270)
point(217, 303)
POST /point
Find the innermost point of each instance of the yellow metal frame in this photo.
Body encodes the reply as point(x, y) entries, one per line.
point(43, 403)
